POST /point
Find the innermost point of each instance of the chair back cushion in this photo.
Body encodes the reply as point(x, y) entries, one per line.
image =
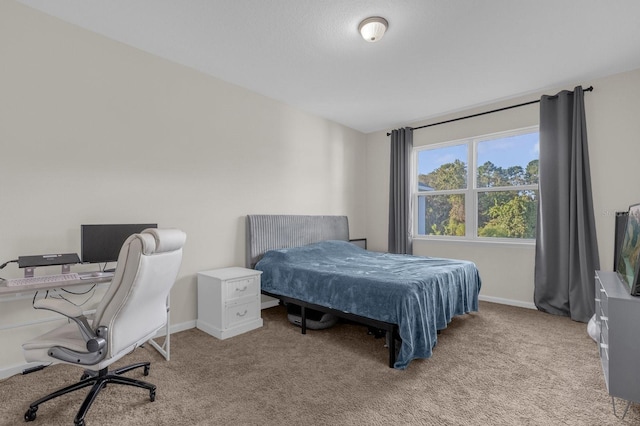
point(135, 305)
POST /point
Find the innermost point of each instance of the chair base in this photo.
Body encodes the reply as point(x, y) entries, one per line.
point(97, 380)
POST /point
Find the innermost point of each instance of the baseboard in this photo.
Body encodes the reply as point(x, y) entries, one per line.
point(228, 332)
point(16, 369)
point(176, 328)
point(19, 368)
point(510, 302)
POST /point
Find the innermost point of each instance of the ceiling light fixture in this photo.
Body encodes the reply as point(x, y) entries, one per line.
point(372, 29)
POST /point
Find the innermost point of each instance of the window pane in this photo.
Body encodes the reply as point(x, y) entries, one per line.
point(508, 161)
point(442, 168)
point(507, 214)
point(441, 215)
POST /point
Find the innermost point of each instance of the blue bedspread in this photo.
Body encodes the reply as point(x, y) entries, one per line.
point(420, 294)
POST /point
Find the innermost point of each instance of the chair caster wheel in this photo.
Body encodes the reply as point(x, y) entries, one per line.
point(79, 423)
point(30, 415)
point(152, 396)
point(146, 370)
point(84, 376)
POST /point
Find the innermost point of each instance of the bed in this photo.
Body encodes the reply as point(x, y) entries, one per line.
point(308, 261)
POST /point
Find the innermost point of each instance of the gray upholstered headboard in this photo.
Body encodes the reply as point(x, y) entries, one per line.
point(269, 232)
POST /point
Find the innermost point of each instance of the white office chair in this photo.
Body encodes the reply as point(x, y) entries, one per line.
point(131, 312)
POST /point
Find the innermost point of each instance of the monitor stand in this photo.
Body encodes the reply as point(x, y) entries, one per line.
point(30, 272)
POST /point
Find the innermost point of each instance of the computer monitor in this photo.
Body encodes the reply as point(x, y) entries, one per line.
point(102, 243)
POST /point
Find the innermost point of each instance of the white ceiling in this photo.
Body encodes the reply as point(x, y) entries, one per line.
point(437, 56)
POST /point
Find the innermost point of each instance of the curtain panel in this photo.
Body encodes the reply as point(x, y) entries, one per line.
point(566, 243)
point(400, 240)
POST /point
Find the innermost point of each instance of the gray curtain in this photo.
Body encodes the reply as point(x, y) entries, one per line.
point(566, 245)
point(400, 192)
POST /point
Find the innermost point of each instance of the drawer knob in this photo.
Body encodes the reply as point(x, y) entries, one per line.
point(603, 318)
point(241, 289)
point(241, 314)
point(604, 346)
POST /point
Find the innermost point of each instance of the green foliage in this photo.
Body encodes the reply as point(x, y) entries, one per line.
point(490, 176)
point(532, 171)
point(444, 214)
point(495, 231)
point(512, 219)
point(501, 214)
point(455, 228)
point(448, 176)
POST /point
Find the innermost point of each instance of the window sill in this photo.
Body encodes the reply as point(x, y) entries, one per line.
point(484, 242)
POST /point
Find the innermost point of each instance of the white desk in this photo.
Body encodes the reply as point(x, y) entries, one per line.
point(16, 289)
point(6, 290)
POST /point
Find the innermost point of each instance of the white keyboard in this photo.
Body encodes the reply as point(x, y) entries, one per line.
point(45, 279)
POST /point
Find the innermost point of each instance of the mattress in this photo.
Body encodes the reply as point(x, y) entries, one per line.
point(419, 294)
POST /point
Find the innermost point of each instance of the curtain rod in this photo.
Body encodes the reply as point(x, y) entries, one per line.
point(588, 89)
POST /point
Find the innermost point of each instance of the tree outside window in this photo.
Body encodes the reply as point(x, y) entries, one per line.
point(484, 187)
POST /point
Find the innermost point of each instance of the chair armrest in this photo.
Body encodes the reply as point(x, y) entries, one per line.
point(95, 341)
point(60, 306)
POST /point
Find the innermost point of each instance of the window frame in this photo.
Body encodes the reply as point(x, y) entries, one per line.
point(471, 192)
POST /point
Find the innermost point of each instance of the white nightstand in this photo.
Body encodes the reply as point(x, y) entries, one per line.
point(228, 301)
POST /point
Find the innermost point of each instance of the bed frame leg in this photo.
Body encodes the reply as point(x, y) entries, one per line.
point(303, 319)
point(391, 344)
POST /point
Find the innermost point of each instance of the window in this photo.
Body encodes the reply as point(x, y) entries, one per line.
point(479, 188)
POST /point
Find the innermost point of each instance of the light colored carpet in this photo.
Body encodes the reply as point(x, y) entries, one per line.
point(501, 366)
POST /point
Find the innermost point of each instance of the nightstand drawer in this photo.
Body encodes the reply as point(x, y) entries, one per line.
point(236, 289)
point(242, 312)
